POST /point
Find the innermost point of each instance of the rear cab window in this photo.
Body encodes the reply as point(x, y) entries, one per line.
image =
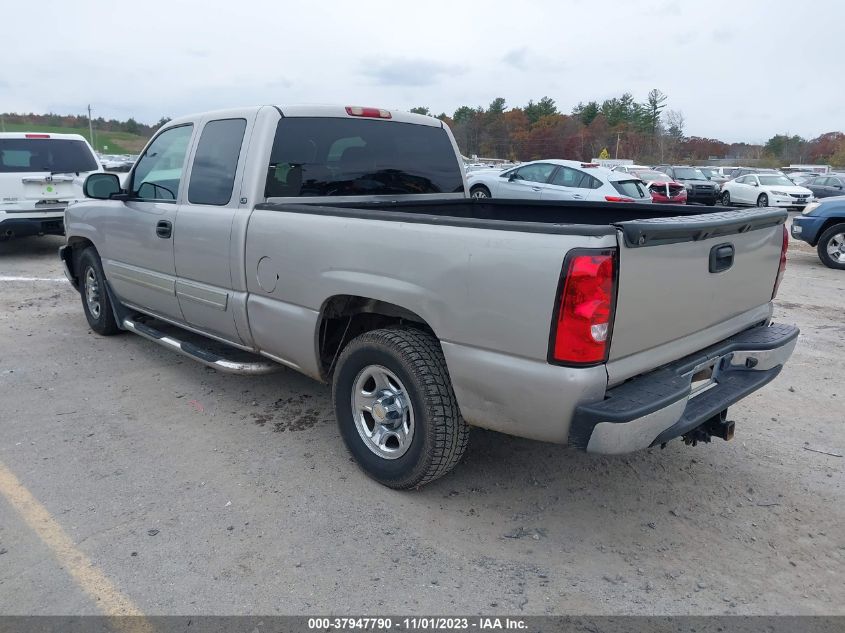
point(57, 156)
point(318, 156)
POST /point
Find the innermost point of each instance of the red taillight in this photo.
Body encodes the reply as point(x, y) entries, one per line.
point(37, 135)
point(618, 199)
point(373, 113)
point(584, 317)
point(782, 265)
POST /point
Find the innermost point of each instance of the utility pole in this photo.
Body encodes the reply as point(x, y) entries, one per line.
point(90, 127)
point(618, 134)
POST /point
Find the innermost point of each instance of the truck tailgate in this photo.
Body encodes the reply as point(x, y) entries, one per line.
point(680, 276)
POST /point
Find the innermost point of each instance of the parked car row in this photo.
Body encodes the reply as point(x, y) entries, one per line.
point(558, 180)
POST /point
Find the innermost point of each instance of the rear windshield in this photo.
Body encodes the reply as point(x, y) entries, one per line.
point(650, 176)
point(58, 156)
point(689, 173)
point(774, 180)
point(359, 157)
point(631, 188)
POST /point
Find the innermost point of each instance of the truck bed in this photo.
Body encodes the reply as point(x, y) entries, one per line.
point(641, 224)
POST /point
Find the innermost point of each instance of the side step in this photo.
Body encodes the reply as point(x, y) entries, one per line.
point(198, 353)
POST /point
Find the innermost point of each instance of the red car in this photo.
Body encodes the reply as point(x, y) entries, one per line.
point(661, 187)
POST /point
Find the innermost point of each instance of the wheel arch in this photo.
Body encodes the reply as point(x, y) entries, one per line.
point(70, 254)
point(829, 222)
point(343, 317)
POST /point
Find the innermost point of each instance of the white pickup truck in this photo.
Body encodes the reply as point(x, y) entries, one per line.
point(40, 174)
point(341, 242)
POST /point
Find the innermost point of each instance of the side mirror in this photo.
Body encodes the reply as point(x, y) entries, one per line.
point(101, 186)
point(754, 184)
point(512, 177)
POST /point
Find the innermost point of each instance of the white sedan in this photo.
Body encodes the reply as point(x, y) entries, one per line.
point(765, 190)
point(558, 180)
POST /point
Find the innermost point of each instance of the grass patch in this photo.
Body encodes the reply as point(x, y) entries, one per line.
point(117, 142)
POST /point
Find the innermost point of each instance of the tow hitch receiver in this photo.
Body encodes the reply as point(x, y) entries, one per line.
point(718, 426)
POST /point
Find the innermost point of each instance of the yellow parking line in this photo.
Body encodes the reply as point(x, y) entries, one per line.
point(93, 581)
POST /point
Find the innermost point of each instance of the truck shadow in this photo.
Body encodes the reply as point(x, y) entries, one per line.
point(46, 246)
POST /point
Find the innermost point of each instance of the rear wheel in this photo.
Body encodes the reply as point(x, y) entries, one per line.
point(763, 200)
point(95, 300)
point(480, 191)
point(831, 247)
point(396, 409)
point(726, 198)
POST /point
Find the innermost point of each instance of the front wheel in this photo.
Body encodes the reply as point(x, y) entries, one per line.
point(763, 200)
point(831, 247)
point(396, 409)
point(95, 300)
point(726, 198)
point(480, 191)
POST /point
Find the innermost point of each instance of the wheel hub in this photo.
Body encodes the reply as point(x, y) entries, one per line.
point(836, 247)
point(92, 293)
point(384, 417)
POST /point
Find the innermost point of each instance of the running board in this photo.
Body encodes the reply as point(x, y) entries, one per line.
point(199, 354)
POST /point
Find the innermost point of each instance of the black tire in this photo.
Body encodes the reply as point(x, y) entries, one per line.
point(763, 200)
point(440, 435)
point(835, 234)
point(711, 203)
point(726, 198)
point(95, 300)
point(480, 191)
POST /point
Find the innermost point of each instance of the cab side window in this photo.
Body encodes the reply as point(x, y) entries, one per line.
point(216, 161)
point(538, 172)
point(160, 170)
point(568, 177)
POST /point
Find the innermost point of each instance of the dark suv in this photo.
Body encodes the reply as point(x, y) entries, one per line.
point(699, 188)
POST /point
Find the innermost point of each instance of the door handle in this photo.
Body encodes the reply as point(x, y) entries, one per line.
point(535, 188)
point(164, 228)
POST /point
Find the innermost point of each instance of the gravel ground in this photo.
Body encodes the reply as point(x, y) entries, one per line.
point(196, 492)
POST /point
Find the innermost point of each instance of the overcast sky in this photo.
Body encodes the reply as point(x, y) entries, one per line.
point(739, 71)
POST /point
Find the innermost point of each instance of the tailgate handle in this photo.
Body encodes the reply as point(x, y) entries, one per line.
point(721, 257)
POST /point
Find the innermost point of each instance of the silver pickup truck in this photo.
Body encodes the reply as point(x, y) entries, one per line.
point(340, 242)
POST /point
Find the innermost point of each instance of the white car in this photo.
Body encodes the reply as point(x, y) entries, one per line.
point(765, 190)
point(627, 169)
point(40, 174)
point(558, 180)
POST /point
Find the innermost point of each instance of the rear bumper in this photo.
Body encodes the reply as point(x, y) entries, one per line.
point(660, 406)
point(24, 227)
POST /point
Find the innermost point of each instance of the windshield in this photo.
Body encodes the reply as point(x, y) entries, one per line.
point(631, 188)
point(57, 156)
point(708, 171)
point(775, 180)
point(651, 176)
point(689, 173)
point(357, 157)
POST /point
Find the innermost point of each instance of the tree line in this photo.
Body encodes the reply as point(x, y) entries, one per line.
point(646, 131)
point(130, 126)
